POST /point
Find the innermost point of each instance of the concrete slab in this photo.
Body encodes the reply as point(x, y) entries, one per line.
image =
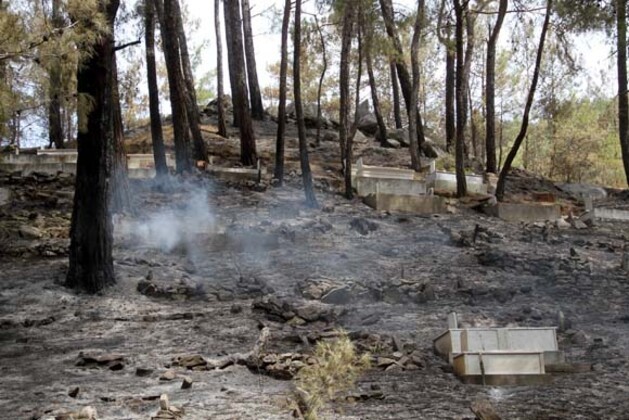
point(44, 168)
point(414, 204)
point(382, 172)
point(603, 213)
point(446, 181)
point(499, 363)
point(236, 174)
point(366, 185)
point(525, 212)
point(136, 161)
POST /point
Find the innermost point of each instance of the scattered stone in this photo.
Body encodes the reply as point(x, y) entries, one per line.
point(74, 392)
point(484, 410)
point(169, 375)
point(30, 232)
point(235, 309)
point(143, 372)
point(111, 361)
point(363, 226)
point(338, 296)
point(193, 362)
point(187, 383)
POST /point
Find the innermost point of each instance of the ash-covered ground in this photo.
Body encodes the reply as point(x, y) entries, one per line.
point(203, 265)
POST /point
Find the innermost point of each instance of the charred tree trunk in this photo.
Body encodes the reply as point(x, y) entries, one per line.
point(413, 115)
point(344, 137)
point(450, 102)
point(229, 35)
point(461, 185)
point(120, 196)
point(490, 90)
point(55, 123)
point(257, 109)
point(623, 100)
point(281, 112)
point(500, 188)
point(311, 200)
point(467, 66)
point(321, 78)
point(222, 124)
point(241, 101)
point(381, 135)
point(91, 234)
point(395, 87)
point(157, 135)
point(168, 30)
point(349, 144)
point(192, 107)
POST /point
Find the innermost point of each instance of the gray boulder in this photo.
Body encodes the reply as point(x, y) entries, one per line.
point(368, 124)
point(584, 190)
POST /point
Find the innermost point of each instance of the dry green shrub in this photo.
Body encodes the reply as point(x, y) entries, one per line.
point(336, 369)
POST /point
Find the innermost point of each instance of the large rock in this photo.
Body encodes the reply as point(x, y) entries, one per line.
point(363, 110)
point(368, 124)
point(584, 190)
point(212, 107)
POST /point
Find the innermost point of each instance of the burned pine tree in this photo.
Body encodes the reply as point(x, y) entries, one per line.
point(91, 234)
point(220, 90)
point(257, 109)
point(281, 112)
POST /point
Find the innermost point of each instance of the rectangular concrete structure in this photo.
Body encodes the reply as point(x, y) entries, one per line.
point(457, 340)
point(386, 173)
point(525, 212)
point(369, 185)
point(611, 214)
point(446, 181)
point(414, 204)
point(499, 363)
point(236, 174)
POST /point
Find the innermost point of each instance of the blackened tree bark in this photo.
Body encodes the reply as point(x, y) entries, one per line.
point(281, 112)
point(381, 135)
point(344, 138)
point(157, 135)
point(395, 87)
point(490, 90)
point(222, 124)
point(412, 115)
point(321, 78)
point(192, 107)
point(349, 144)
point(461, 185)
point(623, 100)
point(229, 34)
point(500, 188)
point(119, 179)
point(91, 234)
point(403, 75)
point(55, 90)
point(168, 30)
point(311, 200)
point(257, 109)
point(241, 101)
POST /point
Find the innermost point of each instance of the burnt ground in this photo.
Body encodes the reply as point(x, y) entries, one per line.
point(202, 276)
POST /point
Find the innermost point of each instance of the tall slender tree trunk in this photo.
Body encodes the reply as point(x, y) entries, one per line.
point(413, 112)
point(623, 101)
point(222, 124)
point(381, 135)
point(281, 112)
point(450, 102)
point(321, 78)
point(344, 137)
point(349, 144)
point(192, 107)
point(395, 87)
point(231, 65)
point(157, 135)
point(403, 75)
point(467, 66)
point(241, 101)
point(490, 90)
point(461, 185)
point(168, 30)
point(500, 188)
point(55, 89)
point(257, 109)
point(91, 233)
point(311, 200)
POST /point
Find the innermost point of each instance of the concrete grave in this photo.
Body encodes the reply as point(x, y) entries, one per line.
point(372, 179)
point(446, 181)
point(236, 174)
point(603, 213)
point(525, 212)
point(501, 368)
point(415, 204)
